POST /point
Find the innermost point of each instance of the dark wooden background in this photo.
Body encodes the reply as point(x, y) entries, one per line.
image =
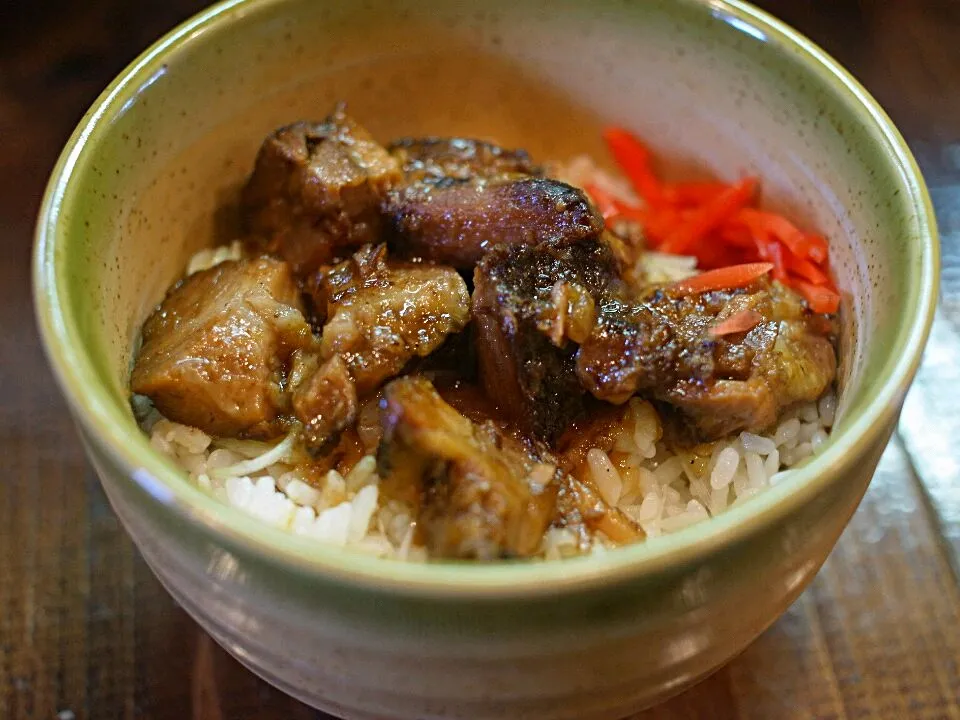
point(86, 631)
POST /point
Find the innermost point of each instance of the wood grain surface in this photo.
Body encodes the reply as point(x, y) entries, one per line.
point(87, 632)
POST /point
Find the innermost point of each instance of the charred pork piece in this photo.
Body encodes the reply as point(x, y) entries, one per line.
point(527, 303)
point(458, 198)
point(630, 349)
point(456, 222)
point(380, 316)
point(791, 363)
point(215, 352)
point(316, 189)
point(666, 348)
point(436, 159)
point(479, 496)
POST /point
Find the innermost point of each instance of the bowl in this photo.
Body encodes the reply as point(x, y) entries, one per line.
point(152, 174)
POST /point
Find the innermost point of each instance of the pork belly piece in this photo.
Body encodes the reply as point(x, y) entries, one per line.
point(456, 222)
point(380, 315)
point(458, 198)
point(215, 352)
point(316, 190)
point(555, 320)
point(400, 311)
point(324, 399)
point(479, 495)
point(664, 347)
point(527, 302)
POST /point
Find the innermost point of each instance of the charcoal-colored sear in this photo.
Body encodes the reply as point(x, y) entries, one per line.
point(316, 189)
point(478, 494)
point(526, 303)
point(664, 348)
point(215, 352)
point(459, 198)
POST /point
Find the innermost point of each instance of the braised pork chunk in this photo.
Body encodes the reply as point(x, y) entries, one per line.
point(380, 315)
point(456, 222)
point(441, 159)
point(316, 190)
point(524, 308)
point(663, 347)
point(214, 353)
point(480, 495)
point(399, 311)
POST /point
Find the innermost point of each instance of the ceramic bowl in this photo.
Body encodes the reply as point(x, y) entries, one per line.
point(151, 175)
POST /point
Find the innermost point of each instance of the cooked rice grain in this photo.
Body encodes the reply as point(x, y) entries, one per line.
point(686, 487)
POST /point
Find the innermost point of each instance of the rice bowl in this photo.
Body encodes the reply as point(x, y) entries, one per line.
point(442, 639)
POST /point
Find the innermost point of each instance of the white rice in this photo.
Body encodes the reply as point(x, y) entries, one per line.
point(661, 490)
point(258, 479)
point(675, 489)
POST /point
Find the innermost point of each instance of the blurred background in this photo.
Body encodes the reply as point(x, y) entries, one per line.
point(87, 632)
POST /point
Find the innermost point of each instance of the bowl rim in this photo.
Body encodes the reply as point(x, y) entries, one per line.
point(259, 542)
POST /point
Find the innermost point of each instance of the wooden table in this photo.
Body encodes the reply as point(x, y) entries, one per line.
point(87, 632)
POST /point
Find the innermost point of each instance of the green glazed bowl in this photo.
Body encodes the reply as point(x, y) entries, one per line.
point(151, 175)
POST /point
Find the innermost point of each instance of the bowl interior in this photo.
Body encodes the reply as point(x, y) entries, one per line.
point(717, 89)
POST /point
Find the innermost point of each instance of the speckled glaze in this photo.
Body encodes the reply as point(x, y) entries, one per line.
point(152, 173)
